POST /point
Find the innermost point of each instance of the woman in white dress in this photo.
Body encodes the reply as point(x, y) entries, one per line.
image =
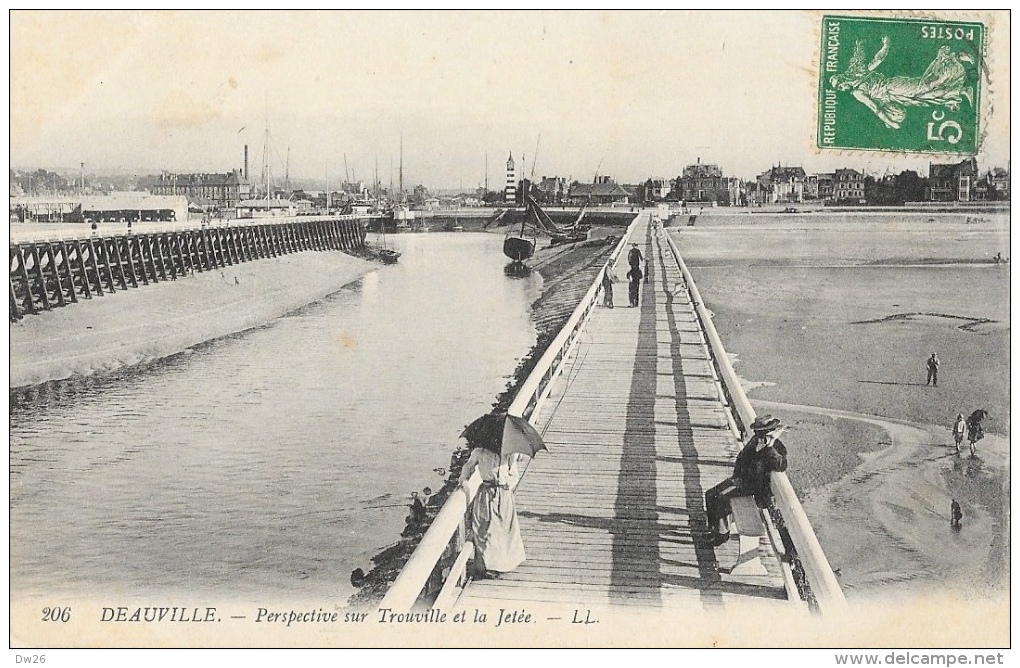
point(492, 515)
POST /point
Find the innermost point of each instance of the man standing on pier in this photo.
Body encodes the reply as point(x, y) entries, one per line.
point(635, 283)
point(634, 256)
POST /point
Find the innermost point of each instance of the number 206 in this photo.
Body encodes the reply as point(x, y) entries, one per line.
point(56, 614)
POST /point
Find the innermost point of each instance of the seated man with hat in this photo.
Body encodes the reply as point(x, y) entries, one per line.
point(762, 455)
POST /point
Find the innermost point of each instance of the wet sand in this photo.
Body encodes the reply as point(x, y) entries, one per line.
point(143, 324)
point(830, 318)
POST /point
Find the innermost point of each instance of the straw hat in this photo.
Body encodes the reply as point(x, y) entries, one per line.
point(765, 424)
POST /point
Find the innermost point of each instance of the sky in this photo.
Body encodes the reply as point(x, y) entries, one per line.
point(631, 95)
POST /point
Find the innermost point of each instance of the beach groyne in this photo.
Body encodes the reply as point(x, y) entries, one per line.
point(49, 274)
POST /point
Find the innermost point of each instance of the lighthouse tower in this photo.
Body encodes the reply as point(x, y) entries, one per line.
point(511, 180)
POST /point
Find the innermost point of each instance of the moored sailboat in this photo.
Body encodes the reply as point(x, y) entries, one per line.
point(518, 245)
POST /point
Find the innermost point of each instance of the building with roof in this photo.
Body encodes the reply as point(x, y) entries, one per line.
point(603, 191)
point(825, 183)
point(117, 206)
point(702, 182)
point(657, 190)
point(554, 189)
point(998, 183)
point(266, 208)
point(781, 185)
point(216, 191)
point(848, 186)
point(953, 182)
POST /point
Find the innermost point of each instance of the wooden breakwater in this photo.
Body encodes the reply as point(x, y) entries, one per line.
point(48, 274)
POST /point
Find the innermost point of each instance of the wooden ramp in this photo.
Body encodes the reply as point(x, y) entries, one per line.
point(613, 514)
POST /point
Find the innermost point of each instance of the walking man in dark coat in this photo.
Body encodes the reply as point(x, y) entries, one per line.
point(752, 475)
point(634, 256)
point(635, 284)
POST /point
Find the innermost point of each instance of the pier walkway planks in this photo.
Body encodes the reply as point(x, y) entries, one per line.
point(613, 513)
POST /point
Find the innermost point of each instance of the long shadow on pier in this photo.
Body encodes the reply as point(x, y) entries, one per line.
point(708, 582)
point(637, 550)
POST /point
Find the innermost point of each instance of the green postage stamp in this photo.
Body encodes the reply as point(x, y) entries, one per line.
point(900, 84)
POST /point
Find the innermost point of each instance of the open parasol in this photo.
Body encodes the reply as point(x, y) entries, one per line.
point(511, 433)
point(520, 436)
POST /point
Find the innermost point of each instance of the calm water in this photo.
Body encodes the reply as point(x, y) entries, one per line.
point(254, 466)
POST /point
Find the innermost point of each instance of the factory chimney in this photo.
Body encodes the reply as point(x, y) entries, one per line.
point(245, 162)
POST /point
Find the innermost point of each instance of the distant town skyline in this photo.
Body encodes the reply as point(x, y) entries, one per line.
point(631, 95)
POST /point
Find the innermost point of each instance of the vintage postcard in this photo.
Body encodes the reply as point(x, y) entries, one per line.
point(559, 329)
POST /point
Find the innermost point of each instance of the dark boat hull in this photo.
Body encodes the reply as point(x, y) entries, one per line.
point(518, 249)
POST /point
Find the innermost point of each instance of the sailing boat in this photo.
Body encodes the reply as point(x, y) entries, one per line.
point(517, 245)
point(387, 255)
point(576, 232)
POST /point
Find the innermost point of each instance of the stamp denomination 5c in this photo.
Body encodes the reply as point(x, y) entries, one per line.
point(900, 84)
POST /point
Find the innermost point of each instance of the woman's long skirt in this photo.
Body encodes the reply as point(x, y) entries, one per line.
point(495, 530)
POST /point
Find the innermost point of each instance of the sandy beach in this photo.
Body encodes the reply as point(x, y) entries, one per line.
point(829, 318)
point(140, 325)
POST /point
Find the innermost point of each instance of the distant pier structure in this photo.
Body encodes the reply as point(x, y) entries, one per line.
point(53, 273)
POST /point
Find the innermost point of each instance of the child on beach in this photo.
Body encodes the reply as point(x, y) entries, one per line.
point(957, 513)
point(959, 429)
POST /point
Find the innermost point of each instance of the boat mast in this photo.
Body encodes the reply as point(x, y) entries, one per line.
point(265, 155)
point(401, 166)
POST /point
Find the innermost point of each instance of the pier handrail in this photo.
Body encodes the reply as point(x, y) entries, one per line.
point(411, 580)
point(824, 586)
point(446, 527)
point(534, 390)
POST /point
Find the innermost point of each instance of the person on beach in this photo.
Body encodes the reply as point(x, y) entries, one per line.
point(492, 517)
point(752, 476)
point(933, 371)
point(975, 432)
point(959, 430)
point(607, 288)
point(957, 514)
point(635, 284)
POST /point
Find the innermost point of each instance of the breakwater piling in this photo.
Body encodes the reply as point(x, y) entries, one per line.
point(49, 274)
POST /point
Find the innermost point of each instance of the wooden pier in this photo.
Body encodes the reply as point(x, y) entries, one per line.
point(49, 274)
point(613, 514)
point(641, 412)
